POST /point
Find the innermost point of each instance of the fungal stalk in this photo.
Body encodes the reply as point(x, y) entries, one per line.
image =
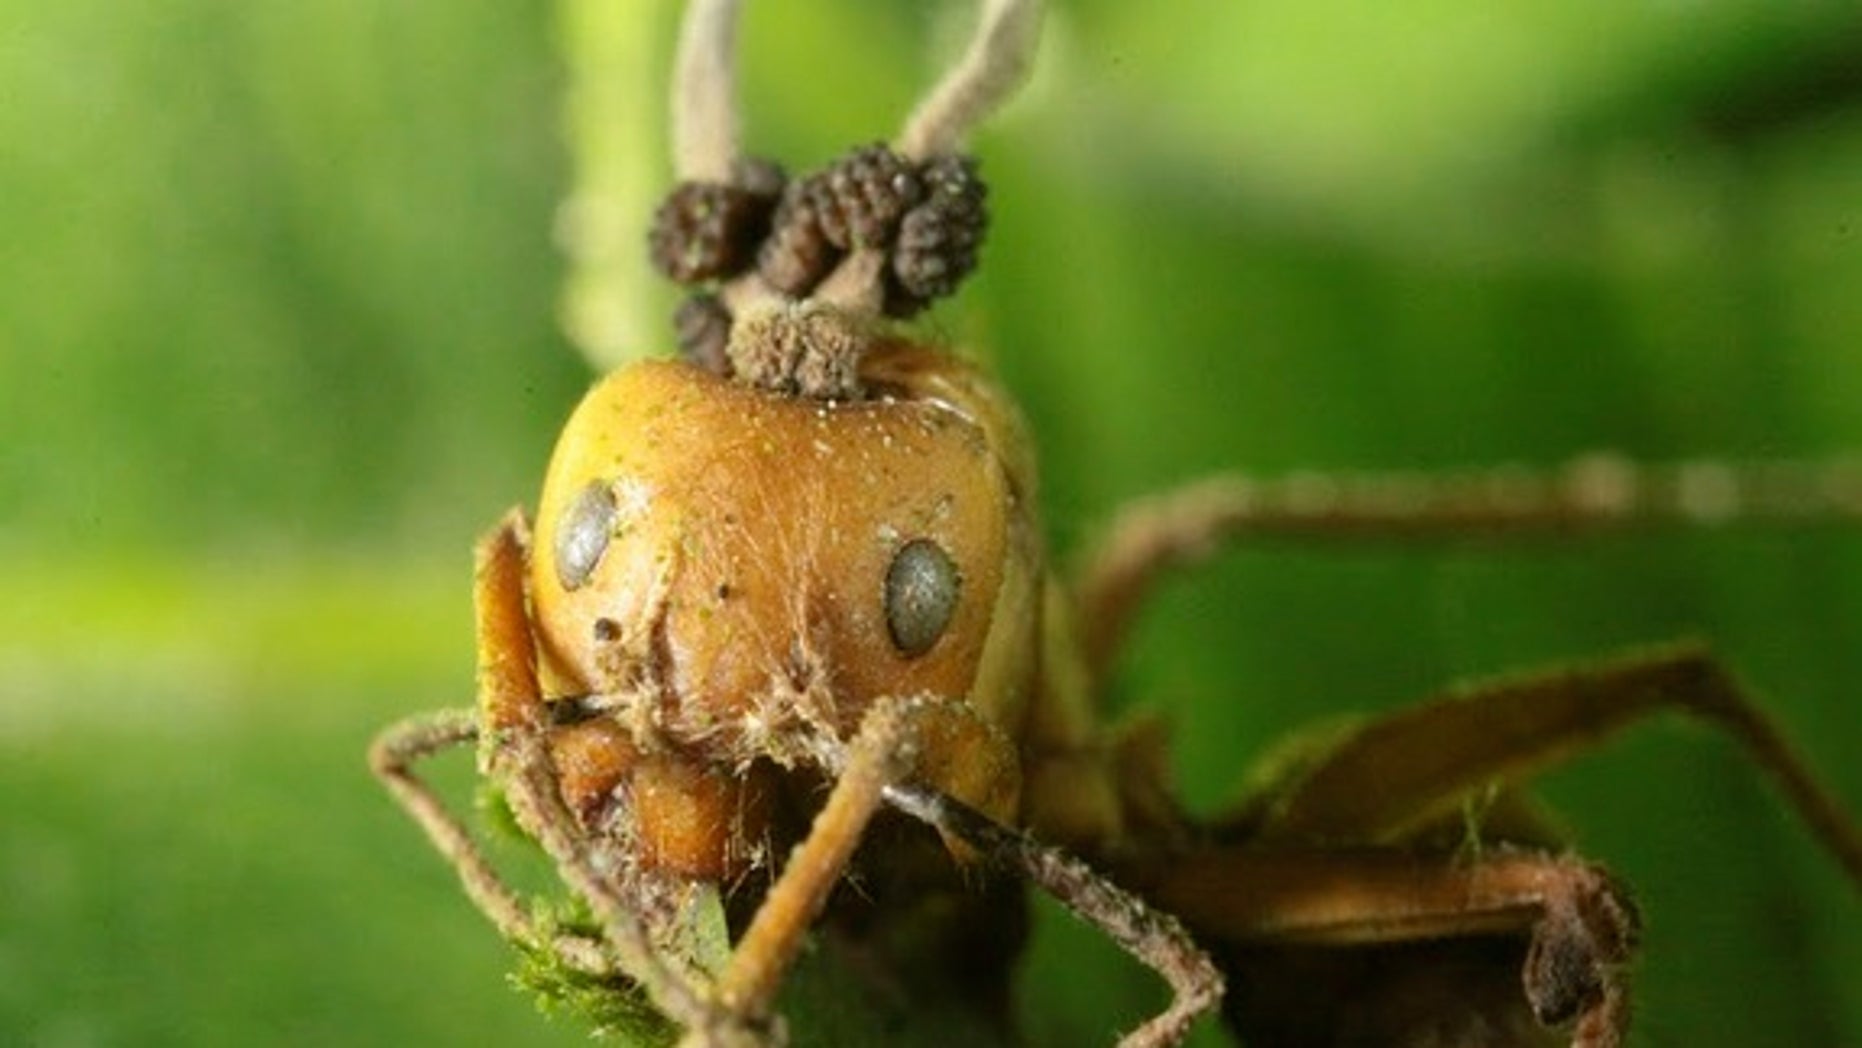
point(704, 93)
point(995, 64)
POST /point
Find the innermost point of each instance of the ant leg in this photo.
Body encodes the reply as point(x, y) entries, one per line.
point(1151, 935)
point(1580, 925)
point(509, 697)
point(514, 751)
point(1404, 770)
point(884, 751)
point(391, 758)
point(1591, 493)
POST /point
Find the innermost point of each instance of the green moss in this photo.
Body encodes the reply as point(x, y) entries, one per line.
point(612, 1006)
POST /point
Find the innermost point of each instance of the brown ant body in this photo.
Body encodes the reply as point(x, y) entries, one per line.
point(806, 559)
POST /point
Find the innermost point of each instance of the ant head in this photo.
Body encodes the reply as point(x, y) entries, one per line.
point(719, 548)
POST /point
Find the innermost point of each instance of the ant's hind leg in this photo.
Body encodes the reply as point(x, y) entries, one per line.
point(1271, 906)
point(1591, 493)
point(1402, 771)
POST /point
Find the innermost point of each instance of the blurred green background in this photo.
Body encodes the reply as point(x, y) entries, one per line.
point(278, 337)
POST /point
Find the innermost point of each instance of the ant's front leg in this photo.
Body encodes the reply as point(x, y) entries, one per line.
point(1151, 935)
point(505, 660)
point(392, 756)
point(515, 752)
point(883, 752)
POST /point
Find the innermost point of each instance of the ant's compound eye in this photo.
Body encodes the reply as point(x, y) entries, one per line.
point(921, 595)
point(582, 533)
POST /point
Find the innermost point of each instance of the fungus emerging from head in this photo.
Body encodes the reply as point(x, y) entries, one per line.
point(793, 277)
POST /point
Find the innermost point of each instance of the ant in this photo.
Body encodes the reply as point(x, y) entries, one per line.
point(804, 560)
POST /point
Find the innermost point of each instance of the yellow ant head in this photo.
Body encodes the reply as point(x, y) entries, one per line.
point(712, 548)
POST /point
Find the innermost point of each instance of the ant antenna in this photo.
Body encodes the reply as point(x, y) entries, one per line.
point(999, 57)
point(704, 93)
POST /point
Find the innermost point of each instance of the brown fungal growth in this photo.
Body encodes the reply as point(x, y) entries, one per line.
point(707, 231)
point(703, 328)
point(805, 272)
point(939, 239)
